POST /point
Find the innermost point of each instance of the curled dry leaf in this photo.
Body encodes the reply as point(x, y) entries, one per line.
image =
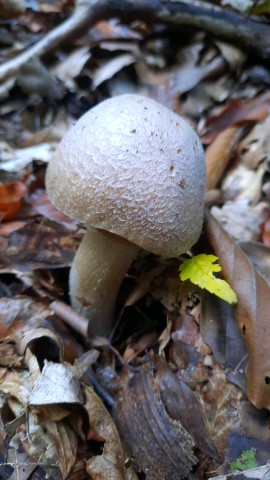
point(251, 311)
point(14, 160)
point(159, 445)
point(111, 67)
point(42, 342)
point(110, 464)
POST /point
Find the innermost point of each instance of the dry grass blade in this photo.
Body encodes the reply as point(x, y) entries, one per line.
point(251, 311)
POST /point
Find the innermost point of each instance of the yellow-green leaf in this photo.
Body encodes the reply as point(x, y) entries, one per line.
point(199, 270)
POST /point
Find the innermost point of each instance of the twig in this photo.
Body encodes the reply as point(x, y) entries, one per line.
point(70, 316)
point(247, 33)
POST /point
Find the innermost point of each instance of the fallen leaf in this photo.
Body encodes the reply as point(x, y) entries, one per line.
point(40, 202)
point(218, 155)
point(111, 67)
point(9, 227)
point(39, 244)
point(110, 465)
point(18, 313)
point(266, 233)
point(199, 270)
point(241, 182)
point(237, 112)
point(71, 66)
point(11, 196)
point(251, 311)
point(14, 160)
point(241, 220)
point(259, 256)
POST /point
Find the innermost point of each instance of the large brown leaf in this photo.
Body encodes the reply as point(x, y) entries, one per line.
point(252, 310)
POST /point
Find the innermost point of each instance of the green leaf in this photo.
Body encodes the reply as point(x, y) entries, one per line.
point(199, 270)
point(246, 461)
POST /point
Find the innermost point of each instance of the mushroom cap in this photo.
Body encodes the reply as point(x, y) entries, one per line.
point(132, 167)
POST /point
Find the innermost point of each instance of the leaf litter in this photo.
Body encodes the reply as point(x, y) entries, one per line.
point(186, 376)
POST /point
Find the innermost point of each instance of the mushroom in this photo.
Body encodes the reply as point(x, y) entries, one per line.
point(133, 172)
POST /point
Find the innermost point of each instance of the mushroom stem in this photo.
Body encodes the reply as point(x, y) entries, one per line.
point(97, 272)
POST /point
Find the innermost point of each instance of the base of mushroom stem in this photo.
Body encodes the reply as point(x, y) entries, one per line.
point(96, 275)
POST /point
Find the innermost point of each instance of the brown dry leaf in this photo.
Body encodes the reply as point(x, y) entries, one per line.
point(22, 464)
point(17, 385)
point(11, 8)
point(251, 311)
point(220, 331)
point(266, 233)
point(259, 256)
point(220, 401)
point(40, 202)
point(20, 312)
point(192, 69)
point(110, 465)
point(72, 66)
point(159, 446)
point(42, 342)
point(39, 244)
point(9, 356)
point(218, 155)
point(52, 444)
point(237, 112)
point(7, 228)
point(241, 220)
point(111, 67)
point(254, 148)
point(243, 183)
point(34, 79)
point(11, 196)
point(55, 406)
point(55, 415)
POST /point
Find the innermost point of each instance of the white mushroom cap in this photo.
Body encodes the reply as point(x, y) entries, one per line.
point(132, 167)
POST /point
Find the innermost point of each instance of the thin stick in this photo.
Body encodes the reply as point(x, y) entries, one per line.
point(70, 316)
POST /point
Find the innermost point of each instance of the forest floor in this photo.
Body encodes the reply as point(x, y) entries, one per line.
point(181, 388)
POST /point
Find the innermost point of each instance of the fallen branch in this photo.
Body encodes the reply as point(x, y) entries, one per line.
point(247, 33)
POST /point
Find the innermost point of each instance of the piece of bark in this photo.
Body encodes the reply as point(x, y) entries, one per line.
point(158, 445)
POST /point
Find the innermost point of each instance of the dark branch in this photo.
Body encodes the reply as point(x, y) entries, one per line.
point(247, 33)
